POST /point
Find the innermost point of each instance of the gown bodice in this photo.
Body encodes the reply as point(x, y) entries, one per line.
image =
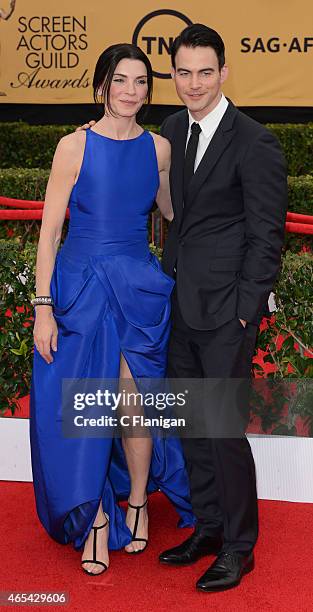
point(115, 190)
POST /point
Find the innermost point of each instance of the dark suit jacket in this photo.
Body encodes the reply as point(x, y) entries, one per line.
point(225, 240)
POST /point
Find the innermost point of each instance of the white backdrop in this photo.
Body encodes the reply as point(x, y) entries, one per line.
point(283, 464)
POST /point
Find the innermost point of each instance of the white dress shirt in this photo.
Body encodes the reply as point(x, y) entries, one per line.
point(209, 125)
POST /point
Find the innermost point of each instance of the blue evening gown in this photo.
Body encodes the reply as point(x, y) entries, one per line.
point(110, 296)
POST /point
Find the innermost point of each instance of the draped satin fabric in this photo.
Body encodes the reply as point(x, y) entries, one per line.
point(111, 297)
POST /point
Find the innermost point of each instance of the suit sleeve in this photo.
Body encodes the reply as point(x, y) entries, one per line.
point(265, 195)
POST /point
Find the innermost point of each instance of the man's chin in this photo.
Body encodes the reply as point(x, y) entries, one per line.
point(196, 106)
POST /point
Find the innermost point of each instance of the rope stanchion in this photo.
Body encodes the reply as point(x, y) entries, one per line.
point(162, 232)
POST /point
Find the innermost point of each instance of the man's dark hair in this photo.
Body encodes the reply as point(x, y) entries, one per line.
point(106, 66)
point(199, 35)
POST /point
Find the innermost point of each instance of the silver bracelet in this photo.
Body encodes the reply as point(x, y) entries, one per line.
point(42, 300)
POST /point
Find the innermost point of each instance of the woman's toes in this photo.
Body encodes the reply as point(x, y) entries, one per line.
point(135, 546)
point(94, 569)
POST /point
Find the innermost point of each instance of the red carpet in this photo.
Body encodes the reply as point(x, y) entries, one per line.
point(31, 561)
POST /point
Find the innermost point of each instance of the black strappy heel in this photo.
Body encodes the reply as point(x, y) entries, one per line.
point(134, 538)
point(94, 554)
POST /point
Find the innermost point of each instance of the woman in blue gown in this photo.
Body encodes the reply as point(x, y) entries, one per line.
point(110, 319)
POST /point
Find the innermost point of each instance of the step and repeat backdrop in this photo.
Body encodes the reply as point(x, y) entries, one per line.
point(48, 50)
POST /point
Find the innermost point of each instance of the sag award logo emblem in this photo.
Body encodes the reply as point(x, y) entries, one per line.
point(155, 34)
point(5, 15)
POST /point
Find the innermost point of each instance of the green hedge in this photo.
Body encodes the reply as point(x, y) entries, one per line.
point(30, 184)
point(28, 146)
point(300, 194)
point(297, 142)
point(23, 183)
point(22, 145)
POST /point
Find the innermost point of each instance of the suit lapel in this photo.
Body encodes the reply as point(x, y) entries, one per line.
point(217, 146)
point(177, 164)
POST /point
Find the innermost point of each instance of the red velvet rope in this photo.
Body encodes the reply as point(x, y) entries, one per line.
point(297, 218)
point(299, 228)
point(28, 209)
point(20, 215)
point(17, 215)
point(14, 203)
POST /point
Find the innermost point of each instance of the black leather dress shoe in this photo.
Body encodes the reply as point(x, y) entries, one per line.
point(195, 547)
point(226, 571)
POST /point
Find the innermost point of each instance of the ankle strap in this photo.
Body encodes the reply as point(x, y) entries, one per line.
point(138, 507)
point(101, 526)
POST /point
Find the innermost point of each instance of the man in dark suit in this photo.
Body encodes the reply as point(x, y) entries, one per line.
point(229, 193)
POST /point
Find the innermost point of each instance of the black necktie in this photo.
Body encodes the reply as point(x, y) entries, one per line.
point(191, 153)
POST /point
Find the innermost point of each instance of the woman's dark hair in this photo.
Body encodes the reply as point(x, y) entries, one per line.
point(106, 66)
point(199, 35)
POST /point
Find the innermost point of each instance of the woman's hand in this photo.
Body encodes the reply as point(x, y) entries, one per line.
point(45, 332)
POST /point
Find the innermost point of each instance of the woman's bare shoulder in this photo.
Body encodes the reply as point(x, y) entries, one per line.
point(72, 142)
point(70, 148)
point(163, 148)
point(162, 142)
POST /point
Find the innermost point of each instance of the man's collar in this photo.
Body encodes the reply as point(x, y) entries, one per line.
point(212, 119)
